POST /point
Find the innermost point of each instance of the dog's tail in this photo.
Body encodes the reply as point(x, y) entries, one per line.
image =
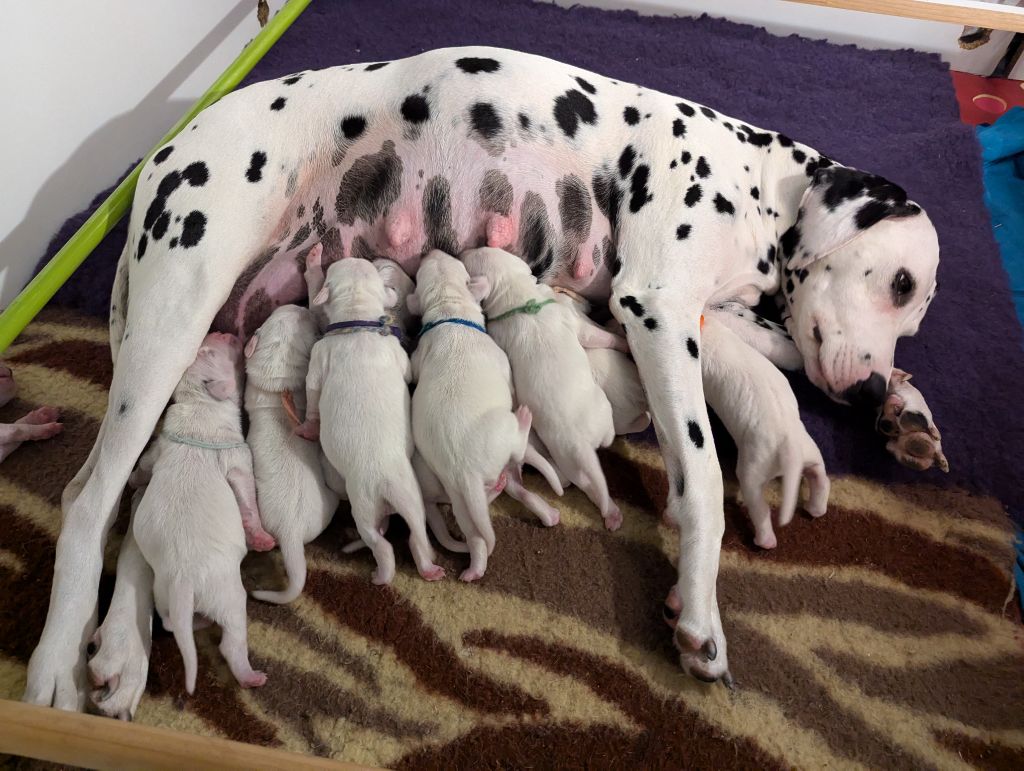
point(181, 605)
point(532, 457)
point(294, 556)
point(440, 529)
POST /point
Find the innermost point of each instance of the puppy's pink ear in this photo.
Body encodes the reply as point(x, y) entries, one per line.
point(321, 297)
point(390, 297)
point(221, 389)
point(250, 347)
point(479, 287)
point(412, 302)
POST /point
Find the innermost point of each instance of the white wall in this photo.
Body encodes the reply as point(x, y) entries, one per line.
point(87, 88)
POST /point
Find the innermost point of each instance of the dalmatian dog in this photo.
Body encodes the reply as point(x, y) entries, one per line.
point(662, 208)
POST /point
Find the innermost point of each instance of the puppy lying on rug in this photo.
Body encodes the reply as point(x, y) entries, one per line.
point(662, 207)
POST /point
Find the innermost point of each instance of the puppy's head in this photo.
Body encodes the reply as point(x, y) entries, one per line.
point(859, 273)
point(8, 388)
point(277, 355)
point(353, 287)
point(215, 374)
point(443, 285)
point(395, 278)
point(500, 268)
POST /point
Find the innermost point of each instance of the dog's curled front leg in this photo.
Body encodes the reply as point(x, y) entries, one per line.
point(663, 328)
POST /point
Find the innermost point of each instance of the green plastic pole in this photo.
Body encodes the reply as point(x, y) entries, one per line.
point(33, 297)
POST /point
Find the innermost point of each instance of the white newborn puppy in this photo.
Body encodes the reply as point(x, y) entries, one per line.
point(462, 416)
point(757, 406)
point(613, 370)
point(357, 386)
point(188, 525)
point(295, 503)
point(550, 370)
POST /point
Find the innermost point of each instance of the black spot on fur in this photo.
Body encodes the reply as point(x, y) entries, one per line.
point(485, 120)
point(196, 174)
point(685, 157)
point(708, 112)
point(570, 109)
point(755, 193)
point(756, 138)
point(790, 240)
point(193, 229)
point(370, 186)
point(437, 216)
point(586, 86)
point(723, 205)
point(611, 257)
point(524, 121)
point(300, 235)
point(639, 196)
point(278, 104)
point(696, 435)
point(789, 286)
point(799, 156)
point(172, 243)
point(143, 243)
point(301, 211)
point(160, 226)
point(376, 66)
point(574, 207)
point(784, 140)
point(683, 232)
point(630, 303)
point(678, 128)
point(626, 161)
point(763, 266)
point(651, 323)
point(691, 346)
point(473, 65)
point(256, 163)
point(702, 168)
point(631, 115)
point(415, 109)
point(693, 195)
point(496, 193)
point(680, 485)
point(168, 184)
point(292, 80)
point(608, 195)
point(353, 126)
point(686, 109)
point(162, 155)
point(535, 239)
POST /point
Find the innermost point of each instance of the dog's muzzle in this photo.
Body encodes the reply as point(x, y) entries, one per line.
point(867, 393)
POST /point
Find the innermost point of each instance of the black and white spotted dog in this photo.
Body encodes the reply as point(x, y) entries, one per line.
point(664, 208)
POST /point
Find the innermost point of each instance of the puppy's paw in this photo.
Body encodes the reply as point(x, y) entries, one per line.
point(613, 517)
point(310, 430)
point(253, 680)
point(471, 574)
point(433, 573)
point(259, 539)
point(41, 415)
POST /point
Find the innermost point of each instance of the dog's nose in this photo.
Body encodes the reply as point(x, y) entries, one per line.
point(866, 393)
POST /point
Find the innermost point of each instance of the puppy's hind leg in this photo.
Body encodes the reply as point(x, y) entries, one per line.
point(403, 493)
point(545, 512)
point(472, 513)
point(367, 513)
point(234, 643)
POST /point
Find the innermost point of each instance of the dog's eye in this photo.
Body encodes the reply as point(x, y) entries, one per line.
point(902, 287)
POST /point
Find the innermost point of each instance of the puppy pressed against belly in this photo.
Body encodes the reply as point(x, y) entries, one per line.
point(188, 525)
point(357, 399)
point(295, 503)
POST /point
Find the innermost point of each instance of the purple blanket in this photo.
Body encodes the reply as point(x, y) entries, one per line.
point(890, 112)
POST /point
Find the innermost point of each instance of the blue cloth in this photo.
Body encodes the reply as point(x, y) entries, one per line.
point(1002, 150)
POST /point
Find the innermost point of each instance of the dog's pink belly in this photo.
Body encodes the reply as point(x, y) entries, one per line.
point(546, 215)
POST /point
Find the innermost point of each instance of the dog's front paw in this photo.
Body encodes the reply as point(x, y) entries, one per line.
point(119, 668)
point(56, 676)
point(914, 439)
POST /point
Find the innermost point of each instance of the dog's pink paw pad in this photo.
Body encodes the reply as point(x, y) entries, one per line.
point(260, 541)
point(433, 573)
point(470, 574)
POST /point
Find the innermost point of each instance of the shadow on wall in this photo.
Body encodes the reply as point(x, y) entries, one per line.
point(91, 164)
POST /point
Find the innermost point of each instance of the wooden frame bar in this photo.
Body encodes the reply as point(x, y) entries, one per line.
point(966, 13)
point(98, 742)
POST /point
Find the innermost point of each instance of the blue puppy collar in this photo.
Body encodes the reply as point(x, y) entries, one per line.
point(463, 322)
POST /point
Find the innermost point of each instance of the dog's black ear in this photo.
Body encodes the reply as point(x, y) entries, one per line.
point(839, 205)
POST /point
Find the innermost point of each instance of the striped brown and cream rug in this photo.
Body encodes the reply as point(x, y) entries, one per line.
point(883, 635)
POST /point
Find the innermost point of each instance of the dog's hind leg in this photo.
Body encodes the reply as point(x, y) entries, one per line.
point(367, 514)
point(403, 493)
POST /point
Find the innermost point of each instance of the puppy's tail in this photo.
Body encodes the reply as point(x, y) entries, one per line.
point(532, 457)
point(440, 530)
point(294, 556)
point(181, 606)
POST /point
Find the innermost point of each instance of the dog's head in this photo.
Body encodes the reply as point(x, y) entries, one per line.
point(352, 287)
point(395, 278)
point(859, 273)
point(444, 287)
point(503, 271)
point(216, 373)
point(277, 355)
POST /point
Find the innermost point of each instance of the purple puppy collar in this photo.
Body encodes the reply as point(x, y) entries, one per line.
point(380, 326)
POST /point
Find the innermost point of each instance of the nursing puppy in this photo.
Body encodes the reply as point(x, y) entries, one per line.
point(462, 417)
point(295, 503)
point(188, 525)
point(757, 406)
point(357, 386)
point(550, 370)
point(614, 371)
